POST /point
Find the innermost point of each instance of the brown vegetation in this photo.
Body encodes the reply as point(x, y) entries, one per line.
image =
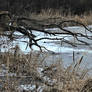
point(50, 13)
point(23, 70)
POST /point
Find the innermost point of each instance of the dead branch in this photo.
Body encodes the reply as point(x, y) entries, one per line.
point(26, 26)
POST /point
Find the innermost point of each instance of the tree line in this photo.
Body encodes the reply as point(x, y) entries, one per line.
point(75, 6)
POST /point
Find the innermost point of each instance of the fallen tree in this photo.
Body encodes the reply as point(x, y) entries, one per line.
point(11, 23)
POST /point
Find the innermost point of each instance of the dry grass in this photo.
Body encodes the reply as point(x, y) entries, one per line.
point(20, 69)
point(45, 14)
point(24, 71)
point(59, 16)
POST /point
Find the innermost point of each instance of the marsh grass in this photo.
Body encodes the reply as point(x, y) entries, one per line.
point(22, 69)
point(58, 16)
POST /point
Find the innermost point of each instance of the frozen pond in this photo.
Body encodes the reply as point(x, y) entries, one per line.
point(64, 51)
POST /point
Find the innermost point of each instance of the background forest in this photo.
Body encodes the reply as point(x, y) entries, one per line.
point(75, 6)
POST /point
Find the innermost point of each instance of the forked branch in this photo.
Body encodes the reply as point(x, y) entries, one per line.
point(28, 26)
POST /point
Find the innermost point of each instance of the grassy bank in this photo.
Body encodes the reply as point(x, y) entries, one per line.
point(56, 15)
point(21, 69)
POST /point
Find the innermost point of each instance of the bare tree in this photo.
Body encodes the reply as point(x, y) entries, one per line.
point(26, 26)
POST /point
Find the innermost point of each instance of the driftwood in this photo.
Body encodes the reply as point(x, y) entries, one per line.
point(26, 25)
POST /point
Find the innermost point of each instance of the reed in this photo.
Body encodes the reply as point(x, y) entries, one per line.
point(22, 69)
point(84, 18)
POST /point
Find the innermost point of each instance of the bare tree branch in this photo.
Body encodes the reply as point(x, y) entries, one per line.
point(26, 26)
